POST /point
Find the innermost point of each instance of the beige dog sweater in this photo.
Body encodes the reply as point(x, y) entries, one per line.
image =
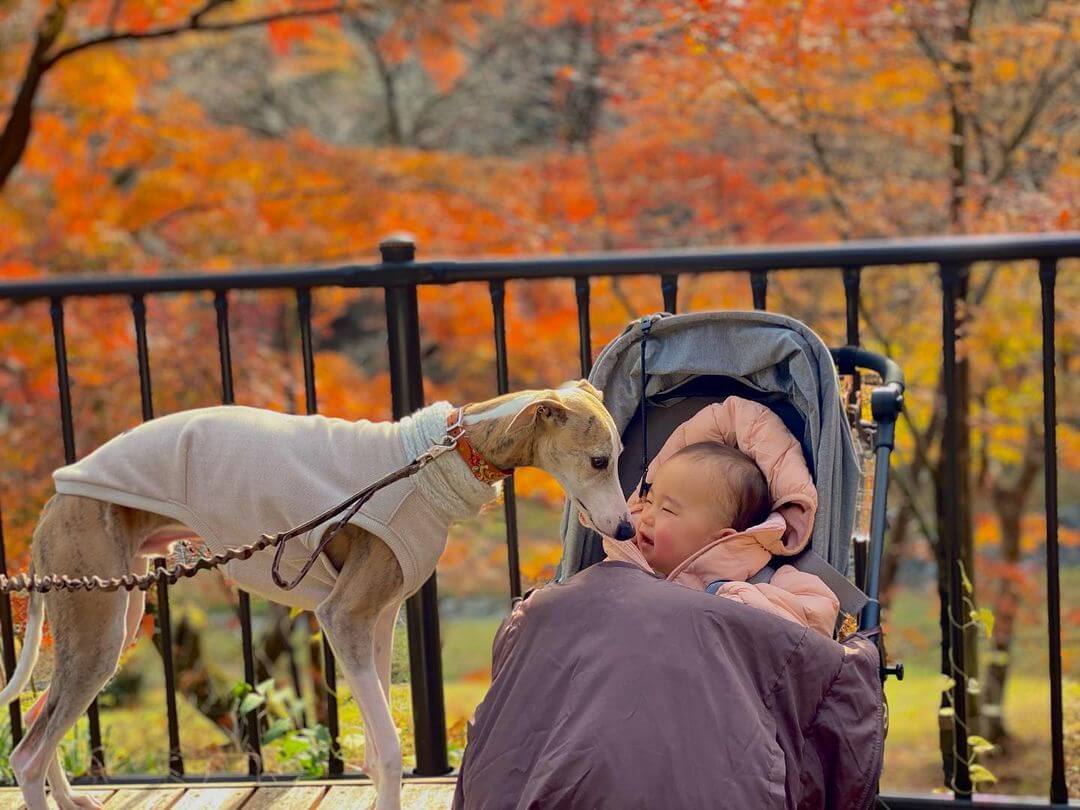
point(231, 473)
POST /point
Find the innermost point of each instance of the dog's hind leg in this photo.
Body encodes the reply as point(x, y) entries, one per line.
point(75, 537)
point(88, 629)
point(57, 779)
point(66, 798)
point(369, 581)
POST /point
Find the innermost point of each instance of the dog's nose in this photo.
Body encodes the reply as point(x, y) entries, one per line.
point(625, 530)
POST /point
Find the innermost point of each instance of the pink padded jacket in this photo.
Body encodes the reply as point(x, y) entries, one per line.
point(791, 594)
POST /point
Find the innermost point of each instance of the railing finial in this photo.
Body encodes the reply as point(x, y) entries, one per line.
point(399, 246)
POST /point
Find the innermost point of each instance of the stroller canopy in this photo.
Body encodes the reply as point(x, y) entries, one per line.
point(706, 356)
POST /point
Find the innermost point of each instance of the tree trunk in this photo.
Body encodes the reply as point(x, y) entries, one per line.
point(20, 121)
point(959, 101)
point(1008, 503)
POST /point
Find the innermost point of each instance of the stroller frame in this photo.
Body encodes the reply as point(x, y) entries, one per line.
point(886, 405)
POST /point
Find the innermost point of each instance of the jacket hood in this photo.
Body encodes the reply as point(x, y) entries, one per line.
point(761, 435)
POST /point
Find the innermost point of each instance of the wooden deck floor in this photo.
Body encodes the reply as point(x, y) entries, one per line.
point(417, 794)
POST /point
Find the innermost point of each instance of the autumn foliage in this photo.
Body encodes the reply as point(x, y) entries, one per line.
point(203, 136)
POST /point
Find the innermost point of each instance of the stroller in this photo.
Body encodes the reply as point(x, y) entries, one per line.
point(690, 361)
point(613, 688)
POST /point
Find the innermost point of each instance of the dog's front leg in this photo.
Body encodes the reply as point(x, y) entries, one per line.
point(368, 583)
point(384, 652)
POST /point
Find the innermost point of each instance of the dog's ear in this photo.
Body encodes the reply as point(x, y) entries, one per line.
point(545, 408)
point(586, 386)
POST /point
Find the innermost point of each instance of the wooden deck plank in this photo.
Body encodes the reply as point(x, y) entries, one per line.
point(296, 797)
point(11, 798)
point(215, 798)
point(429, 796)
point(415, 795)
point(143, 799)
point(102, 794)
point(349, 797)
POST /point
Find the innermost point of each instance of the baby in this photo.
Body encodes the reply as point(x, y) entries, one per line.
point(702, 493)
point(707, 522)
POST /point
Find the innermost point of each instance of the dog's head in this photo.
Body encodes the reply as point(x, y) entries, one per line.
point(573, 438)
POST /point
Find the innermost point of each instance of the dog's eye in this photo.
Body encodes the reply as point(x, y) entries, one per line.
point(599, 462)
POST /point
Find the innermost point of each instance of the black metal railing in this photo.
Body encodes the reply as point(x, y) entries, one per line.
point(399, 275)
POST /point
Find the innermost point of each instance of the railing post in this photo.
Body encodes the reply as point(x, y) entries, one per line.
point(67, 427)
point(497, 289)
point(250, 730)
point(164, 619)
point(759, 287)
point(422, 608)
point(582, 293)
point(852, 281)
point(669, 288)
point(335, 765)
point(952, 277)
point(7, 627)
point(1059, 790)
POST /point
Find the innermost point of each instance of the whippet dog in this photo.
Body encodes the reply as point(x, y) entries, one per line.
point(369, 568)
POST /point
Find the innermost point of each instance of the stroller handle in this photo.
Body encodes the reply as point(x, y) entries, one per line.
point(848, 358)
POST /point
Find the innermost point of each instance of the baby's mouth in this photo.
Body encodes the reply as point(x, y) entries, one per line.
point(644, 541)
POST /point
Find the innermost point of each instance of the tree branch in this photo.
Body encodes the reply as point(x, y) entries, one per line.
point(1042, 96)
point(908, 488)
point(388, 76)
point(193, 23)
point(19, 124)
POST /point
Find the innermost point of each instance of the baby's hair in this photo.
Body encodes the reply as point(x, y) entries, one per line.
point(743, 475)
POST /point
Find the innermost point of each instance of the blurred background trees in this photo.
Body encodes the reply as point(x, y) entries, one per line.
point(141, 136)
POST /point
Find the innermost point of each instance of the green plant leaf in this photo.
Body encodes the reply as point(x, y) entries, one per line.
point(279, 728)
point(250, 702)
point(264, 686)
point(979, 745)
point(985, 617)
point(964, 578)
point(981, 774)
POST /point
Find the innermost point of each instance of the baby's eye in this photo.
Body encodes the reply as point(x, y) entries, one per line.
point(668, 511)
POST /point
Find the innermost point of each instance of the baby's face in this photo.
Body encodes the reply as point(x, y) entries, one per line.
point(681, 514)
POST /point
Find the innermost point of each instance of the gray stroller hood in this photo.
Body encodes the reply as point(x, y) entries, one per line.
point(777, 360)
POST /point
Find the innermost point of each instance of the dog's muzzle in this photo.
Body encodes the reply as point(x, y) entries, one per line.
point(625, 530)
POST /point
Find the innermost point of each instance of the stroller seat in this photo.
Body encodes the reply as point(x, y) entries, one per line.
point(696, 359)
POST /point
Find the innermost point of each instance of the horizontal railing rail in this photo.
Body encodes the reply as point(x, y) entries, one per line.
point(399, 275)
point(866, 254)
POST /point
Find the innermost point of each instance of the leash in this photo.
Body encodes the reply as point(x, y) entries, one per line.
point(129, 582)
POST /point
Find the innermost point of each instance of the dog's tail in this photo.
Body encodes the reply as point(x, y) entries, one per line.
point(35, 618)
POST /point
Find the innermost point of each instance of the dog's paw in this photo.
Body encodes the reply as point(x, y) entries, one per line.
point(77, 802)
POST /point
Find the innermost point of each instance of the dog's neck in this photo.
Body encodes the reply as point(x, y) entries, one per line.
point(485, 428)
point(447, 484)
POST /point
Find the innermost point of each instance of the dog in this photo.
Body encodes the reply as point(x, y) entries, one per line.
point(113, 513)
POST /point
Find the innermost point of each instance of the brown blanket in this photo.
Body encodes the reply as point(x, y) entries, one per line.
point(620, 690)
